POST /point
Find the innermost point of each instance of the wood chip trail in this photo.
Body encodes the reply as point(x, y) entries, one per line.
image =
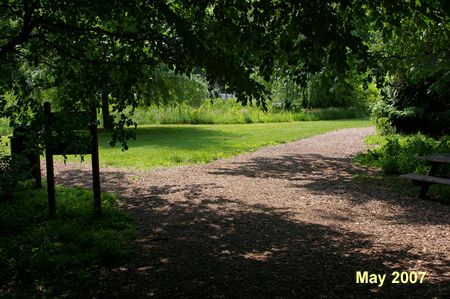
point(284, 221)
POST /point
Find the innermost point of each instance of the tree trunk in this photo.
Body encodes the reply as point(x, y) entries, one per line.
point(107, 120)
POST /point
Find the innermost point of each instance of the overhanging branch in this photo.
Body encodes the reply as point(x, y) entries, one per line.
point(97, 30)
point(66, 53)
point(29, 23)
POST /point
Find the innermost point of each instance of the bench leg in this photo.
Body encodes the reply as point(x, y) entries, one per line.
point(431, 171)
point(423, 190)
point(433, 168)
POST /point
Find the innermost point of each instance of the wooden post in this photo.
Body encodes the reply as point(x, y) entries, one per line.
point(95, 164)
point(49, 164)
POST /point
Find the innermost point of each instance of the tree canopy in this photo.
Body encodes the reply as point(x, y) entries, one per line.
point(83, 47)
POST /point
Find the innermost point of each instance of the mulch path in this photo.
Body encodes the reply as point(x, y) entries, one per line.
point(284, 221)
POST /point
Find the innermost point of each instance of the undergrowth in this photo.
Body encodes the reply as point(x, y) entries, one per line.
point(47, 258)
point(397, 154)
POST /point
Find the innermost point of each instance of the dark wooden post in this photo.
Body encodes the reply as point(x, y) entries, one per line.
point(49, 164)
point(95, 164)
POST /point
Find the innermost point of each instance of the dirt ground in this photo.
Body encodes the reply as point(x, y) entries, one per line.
point(284, 221)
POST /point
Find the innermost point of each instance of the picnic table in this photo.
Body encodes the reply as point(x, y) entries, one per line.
point(426, 180)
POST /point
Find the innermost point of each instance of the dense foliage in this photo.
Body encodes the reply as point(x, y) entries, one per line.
point(414, 106)
point(411, 49)
point(97, 53)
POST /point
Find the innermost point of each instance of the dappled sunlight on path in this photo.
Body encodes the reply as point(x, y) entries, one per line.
point(288, 220)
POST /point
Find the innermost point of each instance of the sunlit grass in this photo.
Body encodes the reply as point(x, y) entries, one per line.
point(171, 145)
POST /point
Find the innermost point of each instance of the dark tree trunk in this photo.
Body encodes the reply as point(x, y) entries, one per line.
point(107, 120)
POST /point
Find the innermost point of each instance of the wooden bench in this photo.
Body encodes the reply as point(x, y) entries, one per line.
point(426, 180)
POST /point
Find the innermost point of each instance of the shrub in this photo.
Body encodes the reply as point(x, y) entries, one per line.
point(398, 154)
point(13, 170)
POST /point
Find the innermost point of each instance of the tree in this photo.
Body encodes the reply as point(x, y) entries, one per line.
point(73, 41)
point(227, 39)
point(410, 46)
point(159, 85)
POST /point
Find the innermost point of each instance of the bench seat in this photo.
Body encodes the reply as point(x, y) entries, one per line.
point(426, 178)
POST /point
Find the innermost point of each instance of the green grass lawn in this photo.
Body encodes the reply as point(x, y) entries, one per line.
point(171, 145)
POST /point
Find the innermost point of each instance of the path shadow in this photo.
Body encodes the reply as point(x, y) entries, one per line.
point(322, 175)
point(198, 245)
point(209, 247)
